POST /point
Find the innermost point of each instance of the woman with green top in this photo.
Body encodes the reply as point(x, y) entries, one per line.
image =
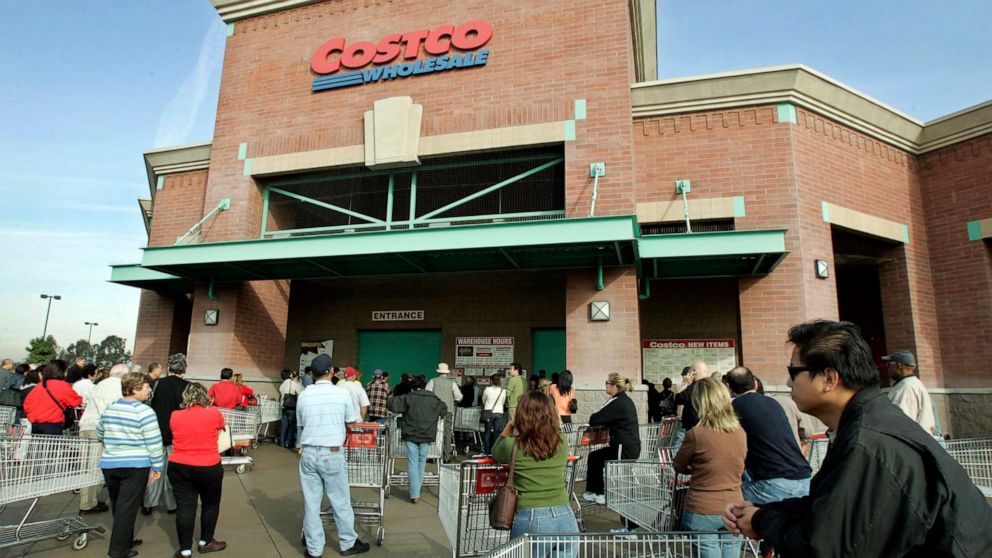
point(542, 455)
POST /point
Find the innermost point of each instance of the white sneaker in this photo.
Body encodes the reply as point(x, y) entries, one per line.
point(589, 496)
point(601, 499)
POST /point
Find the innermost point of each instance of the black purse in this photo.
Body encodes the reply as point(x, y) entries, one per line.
point(68, 413)
point(573, 406)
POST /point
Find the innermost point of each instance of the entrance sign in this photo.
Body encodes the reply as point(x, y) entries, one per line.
point(365, 58)
point(483, 356)
point(397, 315)
point(310, 349)
point(665, 358)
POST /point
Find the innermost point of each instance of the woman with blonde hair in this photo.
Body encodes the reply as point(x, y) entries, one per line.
point(619, 414)
point(195, 469)
point(713, 453)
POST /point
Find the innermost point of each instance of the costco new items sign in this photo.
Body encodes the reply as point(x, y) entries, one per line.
point(340, 64)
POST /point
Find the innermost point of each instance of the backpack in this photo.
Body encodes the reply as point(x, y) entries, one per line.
point(667, 404)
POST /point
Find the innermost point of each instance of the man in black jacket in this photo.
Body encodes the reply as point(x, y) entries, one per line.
point(421, 410)
point(885, 488)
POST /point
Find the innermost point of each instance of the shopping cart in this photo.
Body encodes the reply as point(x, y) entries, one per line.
point(467, 419)
point(243, 426)
point(975, 455)
point(602, 545)
point(463, 503)
point(583, 439)
point(36, 466)
point(7, 414)
point(268, 411)
point(367, 457)
point(817, 450)
point(657, 435)
point(397, 451)
point(648, 493)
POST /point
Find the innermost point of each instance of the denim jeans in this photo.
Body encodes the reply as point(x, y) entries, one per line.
point(711, 545)
point(416, 457)
point(493, 429)
point(773, 490)
point(325, 472)
point(287, 429)
point(557, 519)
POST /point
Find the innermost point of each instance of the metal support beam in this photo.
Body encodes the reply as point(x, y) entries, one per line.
point(757, 265)
point(616, 246)
point(223, 205)
point(265, 212)
point(245, 270)
point(327, 206)
point(509, 258)
point(389, 202)
point(413, 198)
point(211, 293)
point(322, 266)
point(412, 264)
point(492, 188)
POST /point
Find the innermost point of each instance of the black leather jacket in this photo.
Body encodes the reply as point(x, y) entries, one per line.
point(886, 488)
point(421, 409)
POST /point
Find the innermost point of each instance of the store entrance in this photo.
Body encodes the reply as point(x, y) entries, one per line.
point(397, 352)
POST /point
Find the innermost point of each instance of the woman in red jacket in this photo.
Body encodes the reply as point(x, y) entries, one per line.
point(45, 405)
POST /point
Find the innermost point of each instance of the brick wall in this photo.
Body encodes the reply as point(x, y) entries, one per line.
point(957, 188)
point(462, 304)
point(178, 206)
point(544, 56)
point(595, 349)
point(153, 337)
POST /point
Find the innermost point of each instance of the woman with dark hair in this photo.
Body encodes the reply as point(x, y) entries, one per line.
point(619, 415)
point(195, 470)
point(494, 400)
point(45, 406)
point(539, 474)
point(563, 395)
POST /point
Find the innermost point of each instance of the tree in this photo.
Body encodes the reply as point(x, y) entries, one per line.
point(42, 350)
point(111, 351)
point(81, 348)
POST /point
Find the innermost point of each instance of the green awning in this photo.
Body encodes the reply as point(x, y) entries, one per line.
point(711, 254)
point(143, 278)
point(550, 244)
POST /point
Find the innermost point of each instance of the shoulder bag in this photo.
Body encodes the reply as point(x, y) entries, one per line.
point(68, 413)
point(289, 400)
point(487, 414)
point(573, 405)
point(503, 506)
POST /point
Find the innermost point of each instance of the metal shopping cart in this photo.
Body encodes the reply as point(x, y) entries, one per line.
point(975, 455)
point(648, 493)
point(36, 466)
point(817, 450)
point(583, 439)
point(657, 435)
point(463, 503)
point(397, 451)
point(243, 426)
point(7, 414)
point(467, 419)
point(269, 411)
point(602, 545)
point(367, 456)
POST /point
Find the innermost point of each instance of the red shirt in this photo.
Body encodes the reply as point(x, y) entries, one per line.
point(39, 407)
point(225, 394)
point(194, 436)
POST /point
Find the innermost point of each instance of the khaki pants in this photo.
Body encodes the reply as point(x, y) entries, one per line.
point(89, 496)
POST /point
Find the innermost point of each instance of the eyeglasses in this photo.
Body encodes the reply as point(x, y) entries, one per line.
point(797, 370)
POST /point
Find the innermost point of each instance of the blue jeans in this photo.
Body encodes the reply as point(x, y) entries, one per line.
point(416, 457)
point(773, 490)
point(557, 519)
point(287, 429)
point(493, 429)
point(325, 472)
point(711, 545)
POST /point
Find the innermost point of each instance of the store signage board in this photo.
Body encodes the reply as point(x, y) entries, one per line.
point(340, 64)
point(665, 358)
point(398, 316)
point(310, 349)
point(483, 356)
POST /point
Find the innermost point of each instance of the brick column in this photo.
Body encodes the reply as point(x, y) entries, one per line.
point(250, 336)
point(594, 349)
point(153, 337)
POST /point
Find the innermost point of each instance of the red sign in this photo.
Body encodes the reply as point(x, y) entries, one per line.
point(489, 480)
point(337, 53)
point(363, 436)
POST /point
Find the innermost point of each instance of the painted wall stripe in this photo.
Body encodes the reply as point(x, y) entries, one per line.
point(247, 167)
point(786, 113)
point(580, 109)
point(974, 230)
point(159, 182)
point(242, 151)
point(738, 202)
point(826, 211)
point(230, 29)
point(569, 130)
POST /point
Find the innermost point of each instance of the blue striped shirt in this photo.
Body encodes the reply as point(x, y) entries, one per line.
point(321, 413)
point(131, 438)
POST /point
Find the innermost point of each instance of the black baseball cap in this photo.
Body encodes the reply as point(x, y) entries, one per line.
point(902, 357)
point(321, 364)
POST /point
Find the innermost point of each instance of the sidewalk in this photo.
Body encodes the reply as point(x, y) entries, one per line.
point(261, 516)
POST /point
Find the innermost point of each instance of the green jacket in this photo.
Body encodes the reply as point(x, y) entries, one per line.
point(540, 484)
point(516, 386)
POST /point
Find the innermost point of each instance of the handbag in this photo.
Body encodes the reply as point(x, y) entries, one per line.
point(68, 413)
point(503, 506)
point(487, 414)
point(224, 441)
point(573, 406)
point(289, 401)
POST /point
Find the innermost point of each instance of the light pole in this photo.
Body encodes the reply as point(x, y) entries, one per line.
point(44, 332)
point(89, 342)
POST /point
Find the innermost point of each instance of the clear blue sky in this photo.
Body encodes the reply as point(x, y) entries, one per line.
point(88, 86)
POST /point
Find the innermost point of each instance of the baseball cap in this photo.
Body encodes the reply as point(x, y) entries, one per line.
point(902, 357)
point(350, 372)
point(321, 364)
point(377, 374)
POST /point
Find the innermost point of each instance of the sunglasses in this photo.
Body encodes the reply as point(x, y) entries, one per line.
point(797, 370)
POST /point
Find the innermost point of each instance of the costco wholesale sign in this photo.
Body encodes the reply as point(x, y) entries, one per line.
point(665, 358)
point(367, 61)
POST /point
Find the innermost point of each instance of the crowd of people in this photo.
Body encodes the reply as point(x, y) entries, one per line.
point(886, 488)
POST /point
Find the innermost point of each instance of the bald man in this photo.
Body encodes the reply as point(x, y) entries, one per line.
point(697, 371)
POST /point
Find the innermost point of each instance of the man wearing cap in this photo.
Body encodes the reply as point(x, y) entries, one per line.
point(378, 393)
point(447, 390)
point(908, 392)
point(354, 387)
point(323, 412)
